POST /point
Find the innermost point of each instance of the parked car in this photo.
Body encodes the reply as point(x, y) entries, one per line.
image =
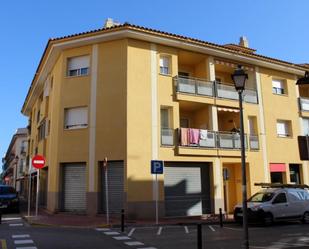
point(275, 204)
point(9, 200)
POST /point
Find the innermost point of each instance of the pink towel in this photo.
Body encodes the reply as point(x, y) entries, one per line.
point(184, 141)
point(194, 135)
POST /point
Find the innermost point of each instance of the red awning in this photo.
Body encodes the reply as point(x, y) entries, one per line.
point(277, 167)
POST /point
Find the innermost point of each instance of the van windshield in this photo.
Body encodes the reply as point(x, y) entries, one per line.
point(261, 197)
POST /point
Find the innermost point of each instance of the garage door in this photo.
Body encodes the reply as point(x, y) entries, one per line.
point(74, 187)
point(115, 179)
point(187, 189)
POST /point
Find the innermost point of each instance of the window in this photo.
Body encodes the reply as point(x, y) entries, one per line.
point(167, 133)
point(280, 198)
point(283, 128)
point(76, 118)
point(278, 87)
point(165, 118)
point(305, 126)
point(42, 130)
point(38, 116)
point(165, 65)
point(78, 66)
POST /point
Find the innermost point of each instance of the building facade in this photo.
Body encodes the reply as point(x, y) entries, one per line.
point(124, 95)
point(15, 162)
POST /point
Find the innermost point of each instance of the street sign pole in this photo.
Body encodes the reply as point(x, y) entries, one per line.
point(157, 197)
point(29, 188)
point(106, 190)
point(37, 192)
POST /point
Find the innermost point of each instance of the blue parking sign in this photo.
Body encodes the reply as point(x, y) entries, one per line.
point(156, 167)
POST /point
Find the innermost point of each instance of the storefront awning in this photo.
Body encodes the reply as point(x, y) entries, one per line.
point(277, 167)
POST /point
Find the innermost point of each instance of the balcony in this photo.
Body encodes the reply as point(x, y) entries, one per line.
point(303, 104)
point(203, 87)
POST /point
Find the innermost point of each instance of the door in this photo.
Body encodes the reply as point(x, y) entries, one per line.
point(187, 189)
point(115, 187)
point(74, 187)
point(281, 208)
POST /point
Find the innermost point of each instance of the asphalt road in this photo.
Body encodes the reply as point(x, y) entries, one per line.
point(16, 234)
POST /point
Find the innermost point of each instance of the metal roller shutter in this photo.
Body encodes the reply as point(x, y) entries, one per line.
point(115, 178)
point(74, 176)
point(187, 191)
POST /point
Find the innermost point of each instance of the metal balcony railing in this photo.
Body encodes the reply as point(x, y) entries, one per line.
point(254, 142)
point(167, 136)
point(194, 86)
point(211, 139)
point(303, 104)
point(202, 87)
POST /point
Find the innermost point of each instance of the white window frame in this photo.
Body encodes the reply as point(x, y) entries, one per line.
point(283, 128)
point(81, 68)
point(165, 65)
point(81, 119)
point(278, 87)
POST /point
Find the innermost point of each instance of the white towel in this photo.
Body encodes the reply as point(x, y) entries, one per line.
point(203, 134)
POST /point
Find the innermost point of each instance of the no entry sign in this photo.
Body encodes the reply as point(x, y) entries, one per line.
point(38, 161)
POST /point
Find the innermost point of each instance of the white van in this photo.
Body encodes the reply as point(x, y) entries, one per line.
point(276, 202)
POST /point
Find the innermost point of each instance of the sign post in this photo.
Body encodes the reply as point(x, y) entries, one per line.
point(38, 162)
point(157, 168)
point(29, 187)
point(106, 190)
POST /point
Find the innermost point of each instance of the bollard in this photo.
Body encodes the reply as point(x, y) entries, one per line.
point(199, 236)
point(122, 220)
point(221, 217)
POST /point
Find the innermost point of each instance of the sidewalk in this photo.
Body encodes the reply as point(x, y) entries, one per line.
point(84, 221)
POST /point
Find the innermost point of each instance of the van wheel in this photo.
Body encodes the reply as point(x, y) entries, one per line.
point(268, 219)
point(305, 218)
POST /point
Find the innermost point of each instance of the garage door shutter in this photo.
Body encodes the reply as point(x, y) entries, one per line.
point(185, 193)
point(115, 179)
point(74, 176)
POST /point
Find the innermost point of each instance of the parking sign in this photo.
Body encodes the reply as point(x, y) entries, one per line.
point(156, 167)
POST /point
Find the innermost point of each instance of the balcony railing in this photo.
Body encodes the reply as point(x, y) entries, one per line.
point(254, 142)
point(167, 136)
point(303, 104)
point(209, 139)
point(195, 86)
point(213, 89)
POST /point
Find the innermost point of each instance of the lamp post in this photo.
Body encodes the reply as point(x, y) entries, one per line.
point(239, 78)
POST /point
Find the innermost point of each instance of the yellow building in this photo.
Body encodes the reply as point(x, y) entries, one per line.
point(132, 94)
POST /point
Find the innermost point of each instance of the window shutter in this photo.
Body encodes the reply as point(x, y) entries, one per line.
point(76, 117)
point(277, 84)
point(78, 62)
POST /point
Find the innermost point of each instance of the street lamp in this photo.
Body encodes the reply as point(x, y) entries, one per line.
point(304, 80)
point(239, 78)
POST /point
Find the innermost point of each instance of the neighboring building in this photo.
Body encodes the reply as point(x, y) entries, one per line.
point(15, 161)
point(132, 94)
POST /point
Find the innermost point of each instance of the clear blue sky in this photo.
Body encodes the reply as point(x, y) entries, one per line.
point(276, 28)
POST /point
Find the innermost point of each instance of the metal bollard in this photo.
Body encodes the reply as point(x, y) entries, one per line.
point(122, 220)
point(220, 217)
point(199, 236)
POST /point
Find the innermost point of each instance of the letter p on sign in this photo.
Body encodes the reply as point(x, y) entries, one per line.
point(156, 167)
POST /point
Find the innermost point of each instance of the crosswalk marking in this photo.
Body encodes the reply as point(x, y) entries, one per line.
point(147, 248)
point(16, 224)
point(134, 243)
point(27, 247)
point(111, 233)
point(20, 236)
point(131, 232)
point(159, 230)
point(25, 241)
point(186, 229)
point(121, 238)
point(102, 229)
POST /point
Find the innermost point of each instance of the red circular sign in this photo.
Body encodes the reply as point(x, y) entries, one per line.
point(38, 161)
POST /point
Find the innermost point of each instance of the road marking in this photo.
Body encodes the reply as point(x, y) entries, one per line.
point(24, 241)
point(234, 229)
point(134, 243)
point(27, 247)
point(211, 228)
point(8, 219)
point(186, 229)
point(131, 232)
point(20, 236)
point(3, 244)
point(16, 225)
point(111, 233)
point(121, 238)
point(159, 231)
point(147, 248)
point(102, 229)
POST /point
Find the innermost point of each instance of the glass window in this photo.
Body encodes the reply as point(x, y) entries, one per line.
point(76, 118)
point(280, 198)
point(261, 197)
point(164, 65)
point(305, 126)
point(278, 86)
point(78, 66)
point(283, 128)
point(164, 118)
